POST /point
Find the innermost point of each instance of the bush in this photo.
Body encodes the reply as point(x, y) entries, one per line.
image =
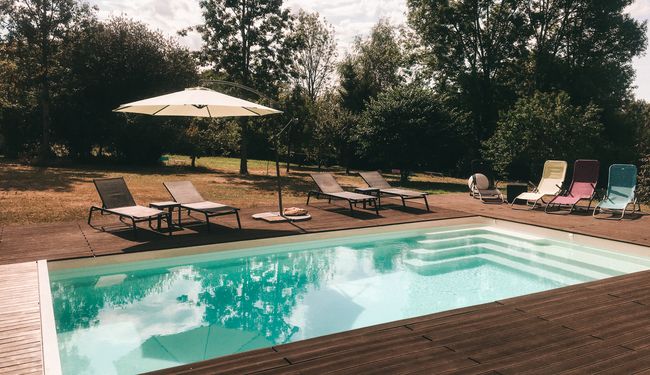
point(543, 126)
point(407, 128)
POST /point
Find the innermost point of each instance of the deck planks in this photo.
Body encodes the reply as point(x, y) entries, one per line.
point(20, 320)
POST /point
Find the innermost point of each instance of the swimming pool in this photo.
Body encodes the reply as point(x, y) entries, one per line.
point(141, 316)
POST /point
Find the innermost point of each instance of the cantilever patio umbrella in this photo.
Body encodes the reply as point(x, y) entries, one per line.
point(203, 102)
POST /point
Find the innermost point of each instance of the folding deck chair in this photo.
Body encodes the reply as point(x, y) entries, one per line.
point(330, 189)
point(377, 181)
point(117, 200)
point(551, 182)
point(621, 191)
point(583, 186)
point(189, 199)
point(482, 184)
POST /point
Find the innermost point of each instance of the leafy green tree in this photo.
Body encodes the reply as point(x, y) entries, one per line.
point(249, 42)
point(315, 53)
point(402, 128)
point(38, 30)
point(476, 48)
point(543, 126)
point(373, 66)
point(111, 63)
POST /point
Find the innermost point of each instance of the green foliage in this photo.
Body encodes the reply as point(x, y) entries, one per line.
point(112, 63)
point(486, 55)
point(248, 42)
point(374, 66)
point(315, 54)
point(543, 126)
point(404, 128)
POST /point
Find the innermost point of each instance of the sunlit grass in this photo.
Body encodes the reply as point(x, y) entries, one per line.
point(38, 195)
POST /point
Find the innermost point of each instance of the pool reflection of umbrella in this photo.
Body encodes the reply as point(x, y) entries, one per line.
point(195, 345)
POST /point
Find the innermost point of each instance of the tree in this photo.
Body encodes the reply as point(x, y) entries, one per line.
point(316, 53)
point(402, 127)
point(543, 126)
point(375, 65)
point(110, 63)
point(476, 48)
point(248, 42)
point(38, 29)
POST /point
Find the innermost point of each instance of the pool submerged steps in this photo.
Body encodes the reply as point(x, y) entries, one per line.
point(550, 259)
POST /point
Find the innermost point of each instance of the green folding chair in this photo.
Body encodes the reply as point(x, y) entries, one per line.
point(620, 191)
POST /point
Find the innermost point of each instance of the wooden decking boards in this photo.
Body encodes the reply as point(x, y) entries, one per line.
point(20, 320)
point(597, 327)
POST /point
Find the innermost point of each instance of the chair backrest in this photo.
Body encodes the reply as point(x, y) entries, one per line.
point(622, 182)
point(375, 180)
point(552, 177)
point(585, 178)
point(183, 192)
point(326, 182)
point(113, 192)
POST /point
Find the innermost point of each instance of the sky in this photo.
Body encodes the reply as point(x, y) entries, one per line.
point(349, 17)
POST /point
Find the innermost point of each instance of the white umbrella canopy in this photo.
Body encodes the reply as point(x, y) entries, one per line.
point(197, 102)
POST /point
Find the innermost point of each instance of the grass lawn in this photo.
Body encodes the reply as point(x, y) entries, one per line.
point(38, 195)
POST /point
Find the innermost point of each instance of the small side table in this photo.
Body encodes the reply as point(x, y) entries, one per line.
point(514, 189)
point(170, 206)
point(370, 191)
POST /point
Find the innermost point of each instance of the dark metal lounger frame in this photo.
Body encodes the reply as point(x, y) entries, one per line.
point(208, 213)
point(133, 220)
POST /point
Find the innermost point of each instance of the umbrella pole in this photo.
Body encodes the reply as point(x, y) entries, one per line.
point(276, 138)
point(279, 176)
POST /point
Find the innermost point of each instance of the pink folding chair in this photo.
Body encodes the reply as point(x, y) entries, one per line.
point(583, 186)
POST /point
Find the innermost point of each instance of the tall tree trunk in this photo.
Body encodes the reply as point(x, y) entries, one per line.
point(243, 148)
point(44, 151)
point(193, 161)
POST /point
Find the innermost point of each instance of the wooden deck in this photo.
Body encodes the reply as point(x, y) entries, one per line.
point(20, 320)
point(603, 326)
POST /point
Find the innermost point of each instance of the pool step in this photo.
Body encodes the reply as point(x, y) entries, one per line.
point(502, 234)
point(610, 265)
point(561, 268)
point(430, 268)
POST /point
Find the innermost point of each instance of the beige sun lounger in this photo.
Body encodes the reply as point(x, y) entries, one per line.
point(550, 184)
point(189, 198)
point(376, 180)
point(117, 200)
point(330, 189)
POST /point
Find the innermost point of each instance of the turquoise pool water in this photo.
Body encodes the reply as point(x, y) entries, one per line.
point(150, 315)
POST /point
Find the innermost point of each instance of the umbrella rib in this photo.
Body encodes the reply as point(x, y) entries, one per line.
point(250, 110)
point(161, 109)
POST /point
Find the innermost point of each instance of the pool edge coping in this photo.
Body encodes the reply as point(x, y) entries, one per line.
point(49, 341)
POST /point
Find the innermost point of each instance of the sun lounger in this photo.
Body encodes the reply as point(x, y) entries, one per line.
point(330, 189)
point(117, 200)
point(189, 199)
point(377, 181)
point(482, 184)
point(583, 186)
point(549, 185)
point(620, 191)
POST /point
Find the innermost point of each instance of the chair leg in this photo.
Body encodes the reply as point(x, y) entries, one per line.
point(308, 196)
point(90, 215)
point(169, 223)
point(351, 209)
point(403, 202)
point(376, 208)
point(135, 229)
point(207, 221)
point(238, 221)
point(426, 203)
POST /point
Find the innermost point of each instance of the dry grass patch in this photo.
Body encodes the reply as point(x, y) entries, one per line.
point(38, 195)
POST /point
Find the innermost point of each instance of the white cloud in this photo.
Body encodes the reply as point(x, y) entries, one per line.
point(349, 17)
